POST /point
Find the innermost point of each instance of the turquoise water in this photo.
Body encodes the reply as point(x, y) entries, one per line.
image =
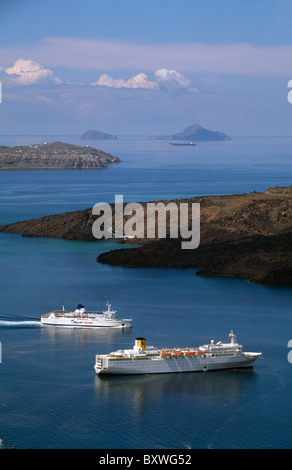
point(50, 396)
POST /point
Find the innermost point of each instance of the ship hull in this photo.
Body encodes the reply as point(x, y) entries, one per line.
point(184, 144)
point(85, 323)
point(173, 365)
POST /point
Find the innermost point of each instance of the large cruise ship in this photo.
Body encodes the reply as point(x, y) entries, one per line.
point(142, 359)
point(80, 318)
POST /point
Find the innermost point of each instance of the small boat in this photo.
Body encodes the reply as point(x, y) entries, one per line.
point(80, 318)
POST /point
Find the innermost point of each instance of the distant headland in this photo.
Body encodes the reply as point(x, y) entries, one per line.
point(193, 133)
point(54, 155)
point(242, 235)
point(97, 135)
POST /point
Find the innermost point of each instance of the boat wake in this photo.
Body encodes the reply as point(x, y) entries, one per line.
point(5, 322)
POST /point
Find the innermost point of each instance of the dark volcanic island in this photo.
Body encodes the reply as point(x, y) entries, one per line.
point(193, 133)
point(54, 155)
point(92, 134)
point(241, 235)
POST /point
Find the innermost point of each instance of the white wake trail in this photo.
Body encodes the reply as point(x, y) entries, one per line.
point(20, 323)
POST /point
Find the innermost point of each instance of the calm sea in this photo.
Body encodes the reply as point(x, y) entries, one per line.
point(50, 396)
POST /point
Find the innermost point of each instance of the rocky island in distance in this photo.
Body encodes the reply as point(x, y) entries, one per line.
point(92, 134)
point(193, 133)
point(54, 155)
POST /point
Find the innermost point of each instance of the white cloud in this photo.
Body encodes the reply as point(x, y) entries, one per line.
point(29, 72)
point(138, 81)
point(170, 80)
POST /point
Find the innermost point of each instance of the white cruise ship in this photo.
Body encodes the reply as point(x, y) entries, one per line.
point(80, 318)
point(144, 359)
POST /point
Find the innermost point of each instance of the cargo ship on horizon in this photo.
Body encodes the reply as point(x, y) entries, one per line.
point(182, 144)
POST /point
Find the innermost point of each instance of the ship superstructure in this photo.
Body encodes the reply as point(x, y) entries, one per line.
point(142, 359)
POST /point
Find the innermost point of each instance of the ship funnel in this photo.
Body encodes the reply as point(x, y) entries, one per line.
point(140, 343)
point(233, 337)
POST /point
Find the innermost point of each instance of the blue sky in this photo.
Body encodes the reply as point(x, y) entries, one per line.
point(136, 67)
